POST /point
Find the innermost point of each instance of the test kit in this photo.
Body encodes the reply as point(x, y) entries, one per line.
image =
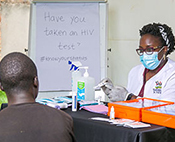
point(132, 109)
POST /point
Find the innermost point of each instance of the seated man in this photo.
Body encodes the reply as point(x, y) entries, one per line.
point(24, 120)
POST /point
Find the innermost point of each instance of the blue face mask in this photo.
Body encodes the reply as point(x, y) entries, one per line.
point(150, 62)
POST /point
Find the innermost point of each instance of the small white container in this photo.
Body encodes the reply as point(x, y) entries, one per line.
point(112, 113)
point(74, 101)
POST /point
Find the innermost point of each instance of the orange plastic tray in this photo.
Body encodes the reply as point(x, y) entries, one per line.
point(158, 118)
point(124, 109)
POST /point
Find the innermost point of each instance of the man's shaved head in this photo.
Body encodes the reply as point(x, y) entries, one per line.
point(17, 72)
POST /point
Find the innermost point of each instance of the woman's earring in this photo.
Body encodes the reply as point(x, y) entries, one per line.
point(164, 56)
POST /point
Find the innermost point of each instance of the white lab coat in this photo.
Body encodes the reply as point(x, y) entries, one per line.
point(153, 87)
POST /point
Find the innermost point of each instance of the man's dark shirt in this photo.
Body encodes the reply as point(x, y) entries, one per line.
point(34, 122)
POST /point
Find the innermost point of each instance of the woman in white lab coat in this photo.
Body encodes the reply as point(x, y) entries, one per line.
point(155, 77)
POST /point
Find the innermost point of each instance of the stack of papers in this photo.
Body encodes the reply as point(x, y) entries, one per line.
point(129, 123)
point(58, 104)
point(123, 122)
point(86, 103)
point(96, 109)
point(101, 119)
point(137, 125)
point(63, 99)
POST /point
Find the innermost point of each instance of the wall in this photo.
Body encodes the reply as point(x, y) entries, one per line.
point(14, 27)
point(125, 19)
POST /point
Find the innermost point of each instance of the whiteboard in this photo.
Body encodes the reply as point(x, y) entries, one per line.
point(60, 32)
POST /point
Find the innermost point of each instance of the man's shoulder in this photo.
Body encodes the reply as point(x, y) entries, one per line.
point(49, 108)
point(33, 107)
point(33, 110)
point(52, 110)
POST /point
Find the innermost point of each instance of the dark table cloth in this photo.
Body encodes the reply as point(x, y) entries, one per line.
point(88, 130)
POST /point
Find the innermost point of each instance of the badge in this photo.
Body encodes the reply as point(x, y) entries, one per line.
point(158, 88)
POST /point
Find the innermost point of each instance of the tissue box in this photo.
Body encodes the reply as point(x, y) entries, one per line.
point(163, 115)
point(132, 109)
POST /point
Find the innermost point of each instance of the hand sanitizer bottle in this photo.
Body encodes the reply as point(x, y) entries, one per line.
point(85, 87)
point(76, 74)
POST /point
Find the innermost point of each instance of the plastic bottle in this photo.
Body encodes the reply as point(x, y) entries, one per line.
point(85, 87)
point(76, 74)
point(112, 113)
point(74, 101)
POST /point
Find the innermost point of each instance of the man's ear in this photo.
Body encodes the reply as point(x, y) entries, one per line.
point(1, 87)
point(35, 81)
